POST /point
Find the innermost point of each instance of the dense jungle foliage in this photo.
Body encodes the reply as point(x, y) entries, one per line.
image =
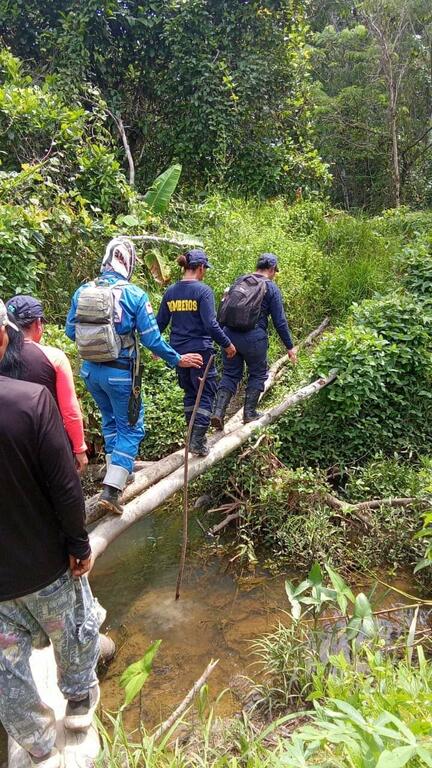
point(301, 128)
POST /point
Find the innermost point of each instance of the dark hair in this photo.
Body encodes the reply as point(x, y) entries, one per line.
point(12, 364)
point(264, 263)
point(183, 262)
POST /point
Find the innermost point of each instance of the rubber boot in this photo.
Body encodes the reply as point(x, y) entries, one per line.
point(113, 485)
point(250, 412)
point(109, 500)
point(222, 401)
point(198, 441)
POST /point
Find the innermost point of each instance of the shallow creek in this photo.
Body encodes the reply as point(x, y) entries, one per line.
point(216, 617)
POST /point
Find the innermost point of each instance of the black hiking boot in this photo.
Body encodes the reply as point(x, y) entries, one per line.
point(250, 412)
point(198, 441)
point(222, 401)
point(109, 500)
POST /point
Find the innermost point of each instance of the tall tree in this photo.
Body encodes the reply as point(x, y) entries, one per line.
point(373, 72)
point(221, 85)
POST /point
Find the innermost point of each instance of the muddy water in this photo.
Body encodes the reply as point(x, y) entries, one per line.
point(216, 616)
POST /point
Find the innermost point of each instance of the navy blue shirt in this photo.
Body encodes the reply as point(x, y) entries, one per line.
point(190, 307)
point(272, 306)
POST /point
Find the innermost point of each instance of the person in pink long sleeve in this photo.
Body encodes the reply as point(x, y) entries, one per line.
point(48, 365)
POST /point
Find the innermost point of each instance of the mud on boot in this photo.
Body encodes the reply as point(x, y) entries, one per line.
point(198, 441)
point(250, 412)
point(109, 500)
point(223, 397)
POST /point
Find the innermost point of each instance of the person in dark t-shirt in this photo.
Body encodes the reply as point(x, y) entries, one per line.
point(44, 556)
point(252, 348)
point(190, 308)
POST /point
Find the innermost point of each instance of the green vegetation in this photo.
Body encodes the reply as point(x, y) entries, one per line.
point(342, 695)
point(249, 126)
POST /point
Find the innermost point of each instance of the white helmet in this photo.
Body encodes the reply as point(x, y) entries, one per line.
point(120, 257)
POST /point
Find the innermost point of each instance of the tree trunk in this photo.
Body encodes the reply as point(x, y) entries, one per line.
point(159, 469)
point(108, 530)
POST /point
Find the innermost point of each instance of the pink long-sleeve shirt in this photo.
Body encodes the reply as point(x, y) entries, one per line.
point(50, 366)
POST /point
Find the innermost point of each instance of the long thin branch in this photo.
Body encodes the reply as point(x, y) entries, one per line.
point(167, 240)
point(121, 129)
point(220, 526)
point(167, 724)
point(363, 506)
point(186, 472)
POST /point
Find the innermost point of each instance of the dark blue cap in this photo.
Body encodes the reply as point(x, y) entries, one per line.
point(25, 309)
point(196, 257)
point(267, 261)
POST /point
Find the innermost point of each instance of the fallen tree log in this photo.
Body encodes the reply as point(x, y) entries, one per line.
point(110, 528)
point(360, 509)
point(145, 478)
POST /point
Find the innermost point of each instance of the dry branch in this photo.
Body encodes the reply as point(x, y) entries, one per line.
point(167, 724)
point(109, 529)
point(168, 240)
point(220, 526)
point(121, 129)
point(185, 483)
point(159, 469)
point(357, 510)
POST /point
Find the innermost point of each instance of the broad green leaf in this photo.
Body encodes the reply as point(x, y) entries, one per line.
point(315, 574)
point(162, 189)
point(362, 607)
point(129, 220)
point(134, 677)
point(395, 758)
point(353, 628)
point(133, 687)
point(339, 584)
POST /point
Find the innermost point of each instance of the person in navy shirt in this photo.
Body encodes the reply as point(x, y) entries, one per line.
point(110, 382)
point(190, 308)
point(252, 348)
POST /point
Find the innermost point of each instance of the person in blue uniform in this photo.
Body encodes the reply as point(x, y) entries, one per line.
point(190, 308)
point(110, 382)
point(252, 348)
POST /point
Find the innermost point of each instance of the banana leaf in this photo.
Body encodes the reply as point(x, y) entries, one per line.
point(162, 189)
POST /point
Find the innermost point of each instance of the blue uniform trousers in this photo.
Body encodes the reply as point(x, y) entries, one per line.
point(251, 350)
point(189, 381)
point(111, 388)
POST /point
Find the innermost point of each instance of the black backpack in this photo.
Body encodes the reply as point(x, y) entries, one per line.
point(241, 306)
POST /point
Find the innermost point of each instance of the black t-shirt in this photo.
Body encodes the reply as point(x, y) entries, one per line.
point(42, 508)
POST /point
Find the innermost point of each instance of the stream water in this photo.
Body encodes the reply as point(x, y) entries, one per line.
point(216, 617)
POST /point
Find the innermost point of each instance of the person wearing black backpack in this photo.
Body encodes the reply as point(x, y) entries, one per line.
point(244, 314)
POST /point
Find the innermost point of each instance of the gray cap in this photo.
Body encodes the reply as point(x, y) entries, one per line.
point(4, 319)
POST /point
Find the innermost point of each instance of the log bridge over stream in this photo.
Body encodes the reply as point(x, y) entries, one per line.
point(152, 486)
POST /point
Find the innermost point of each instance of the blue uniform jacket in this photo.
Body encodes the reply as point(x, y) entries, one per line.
point(190, 306)
point(133, 313)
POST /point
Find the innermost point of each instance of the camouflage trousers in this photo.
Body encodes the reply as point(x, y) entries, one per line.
point(66, 614)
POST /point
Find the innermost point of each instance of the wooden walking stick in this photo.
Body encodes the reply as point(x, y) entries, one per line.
point(185, 483)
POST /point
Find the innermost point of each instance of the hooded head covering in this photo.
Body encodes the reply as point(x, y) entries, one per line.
point(120, 257)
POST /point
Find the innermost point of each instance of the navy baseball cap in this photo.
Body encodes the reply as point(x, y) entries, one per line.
point(4, 320)
point(197, 257)
point(25, 309)
point(267, 260)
